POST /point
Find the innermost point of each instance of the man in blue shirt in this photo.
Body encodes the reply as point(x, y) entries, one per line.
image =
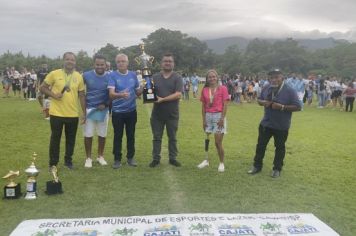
point(299, 85)
point(123, 89)
point(279, 101)
point(97, 102)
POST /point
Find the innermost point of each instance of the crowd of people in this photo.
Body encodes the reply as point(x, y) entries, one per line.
point(101, 92)
point(323, 91)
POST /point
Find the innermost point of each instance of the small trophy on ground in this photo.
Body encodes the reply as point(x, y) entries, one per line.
point(144, 61)
point(12, 190)
point(31, 186)
point(54, 186)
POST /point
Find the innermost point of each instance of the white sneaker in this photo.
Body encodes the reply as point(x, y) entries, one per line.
point(205, 163)
point(88, 163)
point(102, 161)
point(221, 167)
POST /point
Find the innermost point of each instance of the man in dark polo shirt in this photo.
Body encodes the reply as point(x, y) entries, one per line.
point(279, 101)
point(165, 111)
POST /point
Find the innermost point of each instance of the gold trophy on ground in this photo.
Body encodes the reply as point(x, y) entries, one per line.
point(144, 61)
point(12, 190)
point(54, 186)
point(31, 186)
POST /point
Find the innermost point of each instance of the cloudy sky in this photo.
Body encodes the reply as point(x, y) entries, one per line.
point(51, 27)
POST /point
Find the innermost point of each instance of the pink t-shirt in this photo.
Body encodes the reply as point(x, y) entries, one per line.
point(220, 96)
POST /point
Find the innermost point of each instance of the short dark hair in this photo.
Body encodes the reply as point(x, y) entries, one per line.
point(168, 54)
point(99, 56)
point(69, 53)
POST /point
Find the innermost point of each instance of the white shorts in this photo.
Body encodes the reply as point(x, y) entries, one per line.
point(91, 126)
point(212, 120)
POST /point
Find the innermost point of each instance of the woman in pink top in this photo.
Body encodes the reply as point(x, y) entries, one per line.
point(350, 93)
point(214, 98)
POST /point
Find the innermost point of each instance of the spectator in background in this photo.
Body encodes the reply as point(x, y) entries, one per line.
point(24, 83)
point(321, 92)
point(32, 86)
point(6, 82)
point(297, 83)
point(16, 83)
point(350, 93)
point(186, 87)
point(195, 84)
point(41, 75)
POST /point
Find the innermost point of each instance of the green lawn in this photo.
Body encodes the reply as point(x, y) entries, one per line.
point(319, 175)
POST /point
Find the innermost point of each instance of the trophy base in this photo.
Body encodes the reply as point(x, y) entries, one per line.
point(149, 97)
point(31, 195)
point(53, 188)
point(12, 192)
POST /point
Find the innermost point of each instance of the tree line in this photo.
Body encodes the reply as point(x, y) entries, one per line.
point(193, 55)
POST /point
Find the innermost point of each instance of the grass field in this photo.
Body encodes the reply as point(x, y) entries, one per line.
point(319, 176)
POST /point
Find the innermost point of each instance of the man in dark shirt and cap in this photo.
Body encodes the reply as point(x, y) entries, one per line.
point(279, 101)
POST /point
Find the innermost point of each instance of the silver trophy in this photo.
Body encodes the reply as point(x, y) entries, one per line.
point(145, 61)
point(31, 186)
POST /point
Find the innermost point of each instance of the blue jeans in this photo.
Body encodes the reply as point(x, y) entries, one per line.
point(321, 98)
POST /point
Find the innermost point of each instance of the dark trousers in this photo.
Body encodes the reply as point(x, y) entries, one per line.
point(350, 103)
point(121, 121)
point(157, 126)
point(280, 138)
point(70, 130)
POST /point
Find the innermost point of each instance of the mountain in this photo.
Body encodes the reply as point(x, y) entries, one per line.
point(219, 45)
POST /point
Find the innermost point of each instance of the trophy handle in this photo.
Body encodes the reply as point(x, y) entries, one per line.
point(138, 61)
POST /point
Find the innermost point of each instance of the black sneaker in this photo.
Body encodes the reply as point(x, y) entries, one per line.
point(175, 163)
point(116, 165)
point(69, 165)
point(154, 163)
point(132, 162)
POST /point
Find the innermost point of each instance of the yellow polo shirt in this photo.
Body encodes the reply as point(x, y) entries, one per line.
point(67, 106)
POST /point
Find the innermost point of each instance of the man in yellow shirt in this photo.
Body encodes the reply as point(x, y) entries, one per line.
point(65, 87)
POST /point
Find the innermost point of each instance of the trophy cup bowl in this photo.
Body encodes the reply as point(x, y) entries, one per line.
point(12, 190)
point(144, 61)
point(54, 186)
point(31, 186)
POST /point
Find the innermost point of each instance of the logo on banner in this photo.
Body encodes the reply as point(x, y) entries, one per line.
point(302, 229)
point(235, 230)
point(46, 232)
point(271, 229)
point(200, 229)
point(124, 232)
point(163, 230)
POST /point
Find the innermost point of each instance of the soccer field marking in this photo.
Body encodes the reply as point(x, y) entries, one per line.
point(176, 195)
